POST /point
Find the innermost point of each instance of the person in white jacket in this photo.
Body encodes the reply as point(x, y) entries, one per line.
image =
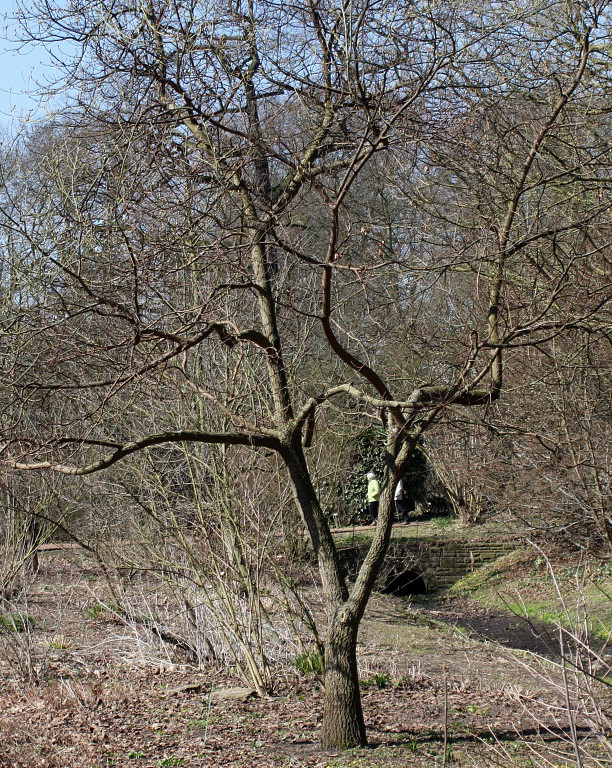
point(401, 506)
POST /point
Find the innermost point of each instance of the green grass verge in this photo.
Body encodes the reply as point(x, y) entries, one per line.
point(575, 595)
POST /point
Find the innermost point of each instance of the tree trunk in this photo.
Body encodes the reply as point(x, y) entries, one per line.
point(343, 724)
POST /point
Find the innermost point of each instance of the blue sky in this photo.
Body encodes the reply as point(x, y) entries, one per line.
point(19, 68)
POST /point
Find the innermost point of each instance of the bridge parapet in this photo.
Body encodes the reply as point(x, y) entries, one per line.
point(437, 563)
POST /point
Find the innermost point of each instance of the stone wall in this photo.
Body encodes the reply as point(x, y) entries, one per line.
point(438, 563)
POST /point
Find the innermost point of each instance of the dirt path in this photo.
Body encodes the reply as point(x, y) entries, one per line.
point(510, 631)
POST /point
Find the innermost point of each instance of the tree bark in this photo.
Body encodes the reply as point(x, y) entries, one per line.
point(343, 723)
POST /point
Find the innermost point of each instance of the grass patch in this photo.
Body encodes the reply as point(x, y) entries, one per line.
point(377, 680)
point(16, 622)
point(437, 528)
point(98, 609)
point(310, 662)
point(521, 583)
point(60, 643)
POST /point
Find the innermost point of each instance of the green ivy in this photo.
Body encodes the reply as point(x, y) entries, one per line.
point(367, 455)
point(366, 452)
point(415, 477)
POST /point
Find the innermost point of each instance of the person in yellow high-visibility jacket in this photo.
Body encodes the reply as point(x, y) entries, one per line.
point(373, 496)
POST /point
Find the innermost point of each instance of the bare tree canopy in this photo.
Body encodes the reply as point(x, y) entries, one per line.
point(253, 222)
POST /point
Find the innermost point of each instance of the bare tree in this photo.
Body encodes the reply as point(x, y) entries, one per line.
point(277, 211)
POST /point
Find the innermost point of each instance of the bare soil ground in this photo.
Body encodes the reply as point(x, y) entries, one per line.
point(80, 690)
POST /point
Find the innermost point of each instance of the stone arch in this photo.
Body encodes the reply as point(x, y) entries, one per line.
point(405, 583)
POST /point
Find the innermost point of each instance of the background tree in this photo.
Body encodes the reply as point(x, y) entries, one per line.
point(195, 233)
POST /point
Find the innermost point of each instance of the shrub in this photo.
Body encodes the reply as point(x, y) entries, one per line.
point(310, 662)
point(16, 622)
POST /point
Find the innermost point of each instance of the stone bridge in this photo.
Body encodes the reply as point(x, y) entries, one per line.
point(422, 565)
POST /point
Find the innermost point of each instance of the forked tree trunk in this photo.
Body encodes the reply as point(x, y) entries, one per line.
point(343, 724)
